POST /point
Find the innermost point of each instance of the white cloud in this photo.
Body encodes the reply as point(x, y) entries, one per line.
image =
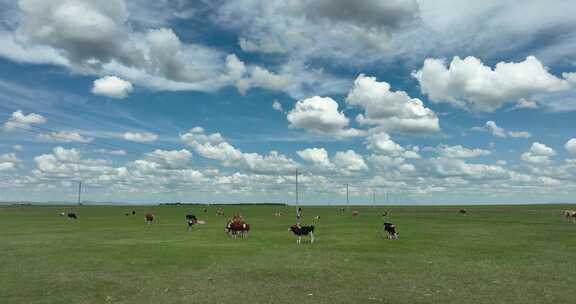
point(382, 142)
point(141, 137)
point(276, 105)
point(538, 154)
point(459, 151)
point(9, 162)
point(391, 111)
point(458, 167)
point(97, 38)
point(320, 115)
point(65, 137)
point(389, 163)
point(470, 84)
point(213, 146)
point(497, 131)
point(571, 146)
point(525, 104)
point(519, 134)
point(112, 152)
point(246, 77)
point(318, 156)
point(19, 120)
point(349, 161)
point(343, 30)
point(112, 86)
point(68, 163)
point(343, 162)
point(487, 27)
point(175, 159)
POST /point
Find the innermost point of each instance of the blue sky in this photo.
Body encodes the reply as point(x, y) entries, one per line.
point(423, 102)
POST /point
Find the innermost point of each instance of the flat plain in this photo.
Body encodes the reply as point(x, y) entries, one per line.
point(491, 254)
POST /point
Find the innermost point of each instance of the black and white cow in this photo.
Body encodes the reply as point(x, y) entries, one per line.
point(390, 230)
point(191, 220)
point(72, 215)
point(300, 231)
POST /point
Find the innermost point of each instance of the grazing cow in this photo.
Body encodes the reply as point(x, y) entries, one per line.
point(191, 220)
point(237, 227)
point(342, 210)
point(385, 214)
point(149, 217)
point(300, 231)
point(72, 215)
point(278, 214)
point(219, 212)
point(133, 212)
point(570, 214)
point(390, 230)
point(462, 211)
point(355, 213)
point(316, 217)
point(62, 213)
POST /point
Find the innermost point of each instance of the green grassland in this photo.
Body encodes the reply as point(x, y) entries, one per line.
point(493, 254)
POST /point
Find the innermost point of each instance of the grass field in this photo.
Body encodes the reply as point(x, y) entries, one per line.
point(493, 254)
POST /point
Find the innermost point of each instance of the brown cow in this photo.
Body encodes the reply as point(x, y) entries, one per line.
point(149, 217)
point(237, 227)
point(355, 213)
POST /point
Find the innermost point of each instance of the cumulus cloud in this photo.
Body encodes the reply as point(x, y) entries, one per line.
point(246, 77)
point(340, 29)
point(65, 137)
point(470, 84)
point(19, 120)
point(538, 154)
point(320, 115)
point(391, 111)
point(9, 162)
point(213, 146)
point(112, 86)
point(497, 131)
point(382, 143)
point(459, 151)
point(276, 105)
point(173, 159)
point(519, 134)
point(68, 163)
point(343, 162)
point(571, 146)
point(350, 161)
point(525, 104)
point(141, 137)
point(458, 167)
point(392, 164)
point(318, 156)
point(97, 38)
point(112, 152)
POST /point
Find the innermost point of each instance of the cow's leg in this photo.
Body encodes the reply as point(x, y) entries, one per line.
point(311, 237)
point(299, 240)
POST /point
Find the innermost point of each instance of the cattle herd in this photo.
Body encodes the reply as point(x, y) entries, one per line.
point(238, 227)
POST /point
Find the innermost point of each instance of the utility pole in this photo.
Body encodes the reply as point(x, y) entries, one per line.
point(347, 198)
point(297, 189)
point(79, 193)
